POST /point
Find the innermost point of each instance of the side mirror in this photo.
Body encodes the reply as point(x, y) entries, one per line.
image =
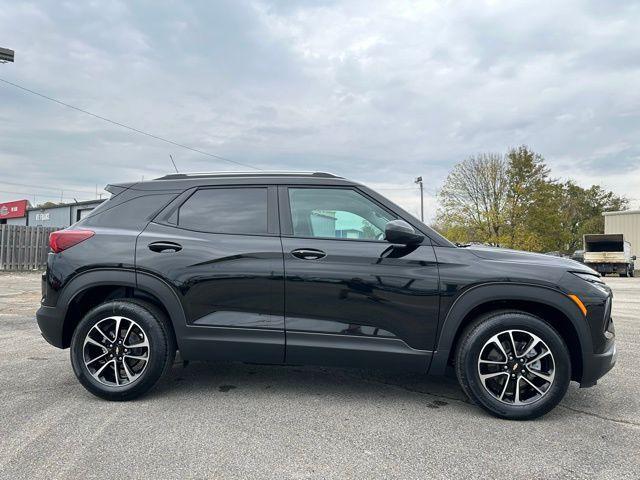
point(633, 258)
point(400, 232)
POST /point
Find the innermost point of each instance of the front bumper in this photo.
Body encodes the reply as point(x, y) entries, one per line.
point(597, 365)
point(51, 324)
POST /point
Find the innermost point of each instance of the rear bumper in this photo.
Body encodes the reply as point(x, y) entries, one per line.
point(51, 323)
point(597, 365)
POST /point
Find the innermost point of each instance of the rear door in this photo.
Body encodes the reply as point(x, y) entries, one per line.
point(351, 297)
point(219, 249)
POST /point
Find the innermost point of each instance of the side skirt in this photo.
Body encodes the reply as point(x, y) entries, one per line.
point(243, 344)
point(307, 348)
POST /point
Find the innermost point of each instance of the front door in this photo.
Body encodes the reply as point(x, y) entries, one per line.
point(219, 248)
point(351, 297)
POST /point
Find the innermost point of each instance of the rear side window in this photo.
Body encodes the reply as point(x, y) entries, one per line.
point(226, 210)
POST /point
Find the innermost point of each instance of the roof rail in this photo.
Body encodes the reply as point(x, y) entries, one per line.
point(267, 173)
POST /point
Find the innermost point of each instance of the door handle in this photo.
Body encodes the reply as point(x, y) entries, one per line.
point(165, 247)
point(308, 253)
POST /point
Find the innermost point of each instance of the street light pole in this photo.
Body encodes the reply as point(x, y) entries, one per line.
point(6, 55)
point(419, 182)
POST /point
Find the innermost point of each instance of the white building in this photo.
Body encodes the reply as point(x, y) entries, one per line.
point(625, 222)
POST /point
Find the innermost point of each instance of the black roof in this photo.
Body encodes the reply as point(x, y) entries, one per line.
point(177, 181)
point(180, 176)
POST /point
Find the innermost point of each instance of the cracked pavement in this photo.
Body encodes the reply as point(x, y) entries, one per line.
point(257, 421)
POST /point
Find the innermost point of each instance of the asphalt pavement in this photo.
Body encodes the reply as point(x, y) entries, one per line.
point(253, 421)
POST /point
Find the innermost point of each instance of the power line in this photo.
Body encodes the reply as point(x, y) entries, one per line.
point(41, 194)
point(133, 129)
point(41, 187)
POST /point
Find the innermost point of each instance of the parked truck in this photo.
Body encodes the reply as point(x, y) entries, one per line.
point(609, 253)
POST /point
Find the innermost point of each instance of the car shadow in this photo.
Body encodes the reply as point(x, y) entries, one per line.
point(198, 378)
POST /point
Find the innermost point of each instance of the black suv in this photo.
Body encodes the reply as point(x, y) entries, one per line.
point(311, 268)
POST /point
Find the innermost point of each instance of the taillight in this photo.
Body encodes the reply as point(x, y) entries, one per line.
point(63, 239)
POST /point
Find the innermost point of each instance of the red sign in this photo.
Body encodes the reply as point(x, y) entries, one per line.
point(15, 209)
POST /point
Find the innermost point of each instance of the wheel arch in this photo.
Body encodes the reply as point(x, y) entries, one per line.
point(97, 286)
point(549, 304)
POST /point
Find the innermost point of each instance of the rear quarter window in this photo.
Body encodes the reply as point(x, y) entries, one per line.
point(133, 212)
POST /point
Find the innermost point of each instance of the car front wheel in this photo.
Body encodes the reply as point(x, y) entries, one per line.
point(513, 364)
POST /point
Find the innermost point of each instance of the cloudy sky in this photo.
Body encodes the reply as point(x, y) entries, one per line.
point(379, 91)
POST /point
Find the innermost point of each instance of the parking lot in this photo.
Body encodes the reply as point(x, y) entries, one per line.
point(253, 421)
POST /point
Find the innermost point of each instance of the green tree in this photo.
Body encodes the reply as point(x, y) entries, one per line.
point(527, 191)
point(368, 230)
point(582, 209)
point(511, 201)
point(48, 205)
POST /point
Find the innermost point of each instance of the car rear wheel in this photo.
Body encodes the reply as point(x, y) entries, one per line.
point(121, 348)
point(513, 364)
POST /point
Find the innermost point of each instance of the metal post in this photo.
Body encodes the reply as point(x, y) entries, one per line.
point(419, 182)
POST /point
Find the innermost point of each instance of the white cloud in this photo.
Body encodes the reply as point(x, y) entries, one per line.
point(377, 91)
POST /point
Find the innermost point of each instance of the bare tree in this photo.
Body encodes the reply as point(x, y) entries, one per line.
point(475, 196)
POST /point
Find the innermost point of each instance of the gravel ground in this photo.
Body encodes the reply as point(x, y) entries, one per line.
point(249, 421)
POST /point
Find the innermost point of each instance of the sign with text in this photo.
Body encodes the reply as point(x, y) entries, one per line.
point(15, 209)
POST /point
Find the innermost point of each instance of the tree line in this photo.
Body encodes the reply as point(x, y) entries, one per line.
point(510, 200)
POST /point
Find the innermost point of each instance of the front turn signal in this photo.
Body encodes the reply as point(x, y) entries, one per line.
point(578, 302)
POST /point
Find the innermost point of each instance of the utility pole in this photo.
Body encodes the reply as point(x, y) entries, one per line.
point(419, 182)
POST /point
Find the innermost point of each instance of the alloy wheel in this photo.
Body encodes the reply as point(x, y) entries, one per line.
point(516, 367)
point(116, 351)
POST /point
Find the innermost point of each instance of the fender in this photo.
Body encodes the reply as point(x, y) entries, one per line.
point(127, 278)
point(497, 291)
point(94, 278)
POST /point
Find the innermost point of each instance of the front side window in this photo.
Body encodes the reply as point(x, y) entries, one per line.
point(336, 213)
point(226, 210)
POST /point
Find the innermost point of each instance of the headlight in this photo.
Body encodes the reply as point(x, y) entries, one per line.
point(589, 277)
point(595, 280)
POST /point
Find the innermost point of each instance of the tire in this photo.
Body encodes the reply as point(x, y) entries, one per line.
point(477, 343)
point(625, 273)
point(95, 351)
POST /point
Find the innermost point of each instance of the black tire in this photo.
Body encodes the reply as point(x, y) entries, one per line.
point(155, 326)
point(478, 334)
point(625, 273)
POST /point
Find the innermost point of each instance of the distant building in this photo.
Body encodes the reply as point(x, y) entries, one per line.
point(13, 212)
point(21, 212)
point(626, 222)
point(323, 224)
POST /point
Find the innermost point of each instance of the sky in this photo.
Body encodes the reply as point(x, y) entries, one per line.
point(379, 92)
